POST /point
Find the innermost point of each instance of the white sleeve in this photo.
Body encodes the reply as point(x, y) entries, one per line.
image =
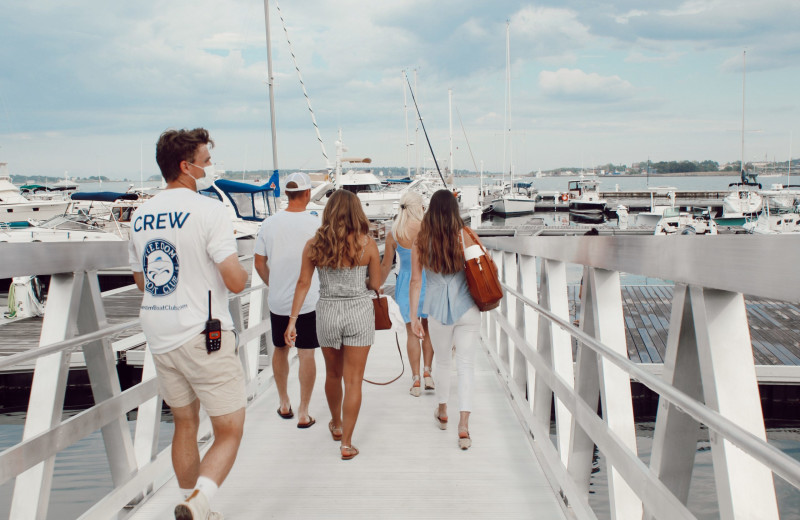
point(133, 257)
point(261, 240)
point(219, 233)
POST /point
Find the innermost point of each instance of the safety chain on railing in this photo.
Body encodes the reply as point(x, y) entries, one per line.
point(781, 464)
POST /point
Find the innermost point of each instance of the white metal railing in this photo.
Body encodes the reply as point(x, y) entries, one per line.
point(75, 319)
point(709, 376)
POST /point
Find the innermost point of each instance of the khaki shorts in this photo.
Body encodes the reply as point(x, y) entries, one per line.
point(189, 372)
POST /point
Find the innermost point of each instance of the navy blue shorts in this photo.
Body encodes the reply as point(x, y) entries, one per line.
point(306, 326)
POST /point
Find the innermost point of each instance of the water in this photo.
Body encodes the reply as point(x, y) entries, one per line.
point(82, 475)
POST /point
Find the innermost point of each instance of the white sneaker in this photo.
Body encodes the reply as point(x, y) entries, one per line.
point(196, 508)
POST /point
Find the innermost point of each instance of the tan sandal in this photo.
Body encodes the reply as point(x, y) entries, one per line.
point(464, 441)
point(415, 390)
point(426, 375)
point(441, 422)
point(336, 433)
point(352, 451)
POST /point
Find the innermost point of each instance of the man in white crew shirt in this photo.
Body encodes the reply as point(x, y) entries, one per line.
point(277, 259)
point(181, 248)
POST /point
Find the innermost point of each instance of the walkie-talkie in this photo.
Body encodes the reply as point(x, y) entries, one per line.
point(213, 331)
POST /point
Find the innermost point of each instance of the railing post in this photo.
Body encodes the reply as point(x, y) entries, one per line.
point(148, 418)
point(101, 366)
point(256, 314)
point(555, 347)
point(745, 488)
point(32, 488)
point(509, 306)
point(528, 286)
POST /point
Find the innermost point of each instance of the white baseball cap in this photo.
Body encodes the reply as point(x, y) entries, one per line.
point(301, 180)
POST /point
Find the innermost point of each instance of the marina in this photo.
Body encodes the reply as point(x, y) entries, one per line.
point(527, 344)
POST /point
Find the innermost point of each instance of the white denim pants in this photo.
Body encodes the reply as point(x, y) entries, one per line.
point(465, 335)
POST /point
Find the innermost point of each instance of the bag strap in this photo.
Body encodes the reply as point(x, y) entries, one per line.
point(474, 239)
point(402, 363)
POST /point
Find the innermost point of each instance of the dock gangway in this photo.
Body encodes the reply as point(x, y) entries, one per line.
point(543, 412)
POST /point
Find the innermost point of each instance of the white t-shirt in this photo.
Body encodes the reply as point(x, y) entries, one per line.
point(177, 238)
point(281, 239)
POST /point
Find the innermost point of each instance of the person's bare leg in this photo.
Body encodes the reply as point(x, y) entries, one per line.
point(221, 455)
point(307, 373)
point(333, 383)
point(355, 361)
point(412, 346)
point(427, 354)
point(185, 454)
point(280, 370)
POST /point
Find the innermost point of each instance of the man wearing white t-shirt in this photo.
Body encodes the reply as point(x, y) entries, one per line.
point(184, 258)
point(277, 259)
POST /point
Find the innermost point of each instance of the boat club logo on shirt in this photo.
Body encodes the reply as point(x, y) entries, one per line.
point(160, 263)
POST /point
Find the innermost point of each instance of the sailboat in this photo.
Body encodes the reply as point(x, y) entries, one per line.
point(743, 201)
point(512, 199)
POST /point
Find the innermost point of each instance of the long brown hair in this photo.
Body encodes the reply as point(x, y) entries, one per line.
point(438, 241)
point(337, 242)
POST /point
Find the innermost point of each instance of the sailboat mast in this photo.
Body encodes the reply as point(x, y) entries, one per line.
point(270, 80)
point(505, 109)
point(450, 108)
point(508, 88)
point(405, 115)
point(744, 54)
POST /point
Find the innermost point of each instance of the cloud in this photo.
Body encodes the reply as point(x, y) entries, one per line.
point(577, 85)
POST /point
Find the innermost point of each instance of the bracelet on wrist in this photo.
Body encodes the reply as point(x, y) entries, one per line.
point(295, 317)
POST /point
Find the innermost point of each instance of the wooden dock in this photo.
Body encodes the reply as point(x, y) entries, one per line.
point(774, 328)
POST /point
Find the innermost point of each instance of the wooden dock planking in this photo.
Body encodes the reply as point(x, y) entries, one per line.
point(774, 325)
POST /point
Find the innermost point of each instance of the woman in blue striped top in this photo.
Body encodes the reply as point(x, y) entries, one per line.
point(453, 318)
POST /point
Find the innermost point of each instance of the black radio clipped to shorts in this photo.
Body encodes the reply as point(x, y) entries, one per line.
point(213, 331)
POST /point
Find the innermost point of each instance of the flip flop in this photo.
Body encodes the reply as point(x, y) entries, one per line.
point(352, 452)
point(287, 415)
point(309, 424)
point(336, 436)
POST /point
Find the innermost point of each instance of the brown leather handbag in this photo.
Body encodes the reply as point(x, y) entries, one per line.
point(382, 320)
point(482, 280)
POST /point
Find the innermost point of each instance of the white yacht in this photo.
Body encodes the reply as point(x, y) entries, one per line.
point(247, 204)
point(378, 201)
point(517, 198)
point(17, 211)
point(742, 202)
point(584, 198)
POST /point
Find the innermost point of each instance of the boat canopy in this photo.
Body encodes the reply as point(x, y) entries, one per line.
point(230, 186)
point(103, 196)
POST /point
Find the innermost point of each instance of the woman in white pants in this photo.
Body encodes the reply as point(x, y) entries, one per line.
point(453, 318)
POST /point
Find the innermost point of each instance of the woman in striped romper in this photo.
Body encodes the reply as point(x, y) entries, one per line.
point(343, 254)
point(453, 317)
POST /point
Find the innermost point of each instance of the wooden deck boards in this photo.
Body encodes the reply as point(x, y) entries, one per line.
point(407, 467)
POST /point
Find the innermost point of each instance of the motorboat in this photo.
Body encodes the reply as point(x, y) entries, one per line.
point(584, 200)
point(67, 227)
point(782, 197)
point(772, 221)
point(657, 205)
point(247, 204)
point(17, 211)
point(676, 222)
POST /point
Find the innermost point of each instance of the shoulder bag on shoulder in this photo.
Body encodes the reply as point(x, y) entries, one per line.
point(482, 280)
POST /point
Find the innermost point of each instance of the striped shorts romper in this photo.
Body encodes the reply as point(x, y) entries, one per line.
point(345, 315)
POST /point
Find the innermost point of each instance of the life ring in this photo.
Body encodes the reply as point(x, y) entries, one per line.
point(564, 197)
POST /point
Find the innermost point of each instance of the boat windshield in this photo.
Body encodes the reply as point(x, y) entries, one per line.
point(68, 223)
point(357, 188)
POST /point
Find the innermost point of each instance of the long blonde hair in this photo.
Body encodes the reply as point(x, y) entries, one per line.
point(337, 242)
point(411, 210)
point(438, 243)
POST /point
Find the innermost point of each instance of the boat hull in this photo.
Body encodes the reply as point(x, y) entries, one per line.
point(510, 207)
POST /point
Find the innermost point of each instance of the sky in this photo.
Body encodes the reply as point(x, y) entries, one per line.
point(87, 86)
